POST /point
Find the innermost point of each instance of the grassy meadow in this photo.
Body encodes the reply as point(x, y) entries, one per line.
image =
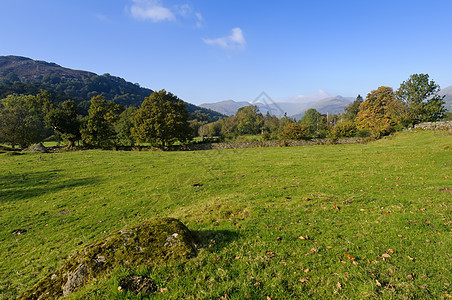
point(358, 221)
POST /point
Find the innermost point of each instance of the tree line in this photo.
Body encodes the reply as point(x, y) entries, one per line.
point(382, 112)
point(162, 119)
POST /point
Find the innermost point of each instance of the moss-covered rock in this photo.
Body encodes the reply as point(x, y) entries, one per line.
point(148, 242)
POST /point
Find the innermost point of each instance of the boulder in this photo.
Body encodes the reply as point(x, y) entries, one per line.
point(146, 243)
point(37, 148)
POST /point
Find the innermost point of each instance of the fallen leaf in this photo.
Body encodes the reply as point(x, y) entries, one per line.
point(385, 255)
point(306, 270)
point(312, 251)
point(303, 280)
point(163, 290)
point(339, 285)
point(349, 256)
point(378, 282)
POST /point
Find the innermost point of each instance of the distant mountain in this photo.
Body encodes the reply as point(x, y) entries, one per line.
point(448, 99)
point(227, 107)
point(23, 75)
point(331, 105)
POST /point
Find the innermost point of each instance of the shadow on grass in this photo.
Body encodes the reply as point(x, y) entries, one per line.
point(214, 239)
point(19, 187)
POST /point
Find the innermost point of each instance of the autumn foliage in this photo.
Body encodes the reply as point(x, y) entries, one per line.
point(381, 113)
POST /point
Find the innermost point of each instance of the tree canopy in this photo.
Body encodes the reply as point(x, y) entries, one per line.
point(380, 113)
point(161, 120)
point(98, 129)
point(421, 98)
point(312, 118)
point(22, 119)
point(63, 119)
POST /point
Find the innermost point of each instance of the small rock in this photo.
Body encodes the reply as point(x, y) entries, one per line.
point(64, 212)
point(19, 231)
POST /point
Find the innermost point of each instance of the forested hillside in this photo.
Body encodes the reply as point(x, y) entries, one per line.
point(21, 75)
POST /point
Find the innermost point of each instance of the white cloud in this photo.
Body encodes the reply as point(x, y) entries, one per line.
point(155, 11)
point(321, 94)
point(199, 19)
point(235, 40)
point(152, 10)
point(184, 10)
point(101, 17)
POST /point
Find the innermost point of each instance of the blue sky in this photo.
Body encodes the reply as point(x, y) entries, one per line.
point(213, 50)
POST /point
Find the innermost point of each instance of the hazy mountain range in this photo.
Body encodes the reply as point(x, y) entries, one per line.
point(448, 99)
point(295, 109)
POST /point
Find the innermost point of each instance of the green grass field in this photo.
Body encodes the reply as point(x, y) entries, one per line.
point(340, 221)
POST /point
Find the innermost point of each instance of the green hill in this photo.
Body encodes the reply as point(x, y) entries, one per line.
point(23, 75)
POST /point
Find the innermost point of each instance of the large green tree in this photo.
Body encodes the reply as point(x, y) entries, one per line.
point(22, 119)
point(99, 125)
point(65, 122)
point(421, 97)
point(313, 119)
point(249, 120)
point(123, 127)
point(162, 120)
point(351, 111)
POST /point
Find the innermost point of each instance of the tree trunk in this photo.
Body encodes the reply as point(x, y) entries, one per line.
point(70, 143)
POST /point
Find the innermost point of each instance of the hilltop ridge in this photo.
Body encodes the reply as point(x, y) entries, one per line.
point(22, 75)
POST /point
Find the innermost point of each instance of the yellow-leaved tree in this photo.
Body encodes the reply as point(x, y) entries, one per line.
point(381, 113)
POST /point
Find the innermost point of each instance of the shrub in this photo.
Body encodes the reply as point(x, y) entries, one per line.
point(295, 131)
point(363, 133)
point(344, 129)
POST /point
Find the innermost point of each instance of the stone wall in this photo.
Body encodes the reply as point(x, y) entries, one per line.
point(444, 125)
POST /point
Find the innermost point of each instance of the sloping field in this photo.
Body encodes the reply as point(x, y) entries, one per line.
point(350, 221)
